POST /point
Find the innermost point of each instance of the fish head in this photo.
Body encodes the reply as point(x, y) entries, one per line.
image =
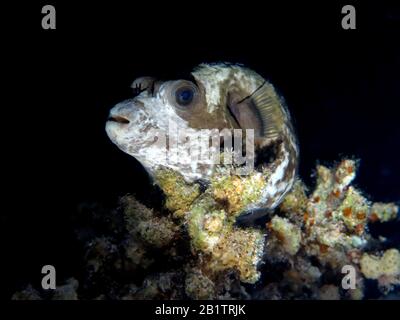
point(146, 126)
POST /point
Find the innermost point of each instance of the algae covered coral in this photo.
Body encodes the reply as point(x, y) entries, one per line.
point(242, 229)
point(193, 249)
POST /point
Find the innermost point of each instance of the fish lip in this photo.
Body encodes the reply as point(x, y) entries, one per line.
point(118, 119)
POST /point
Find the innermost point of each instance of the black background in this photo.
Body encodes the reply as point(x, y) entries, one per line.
point(342, 88)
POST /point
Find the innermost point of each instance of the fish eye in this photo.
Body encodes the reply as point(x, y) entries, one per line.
point(184, 95)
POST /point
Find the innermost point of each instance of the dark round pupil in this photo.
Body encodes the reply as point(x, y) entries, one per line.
point(184, 96)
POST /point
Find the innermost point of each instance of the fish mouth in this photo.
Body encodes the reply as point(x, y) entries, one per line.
point(118, 119)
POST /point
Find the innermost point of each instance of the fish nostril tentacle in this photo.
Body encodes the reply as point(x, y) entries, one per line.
point(118, 119)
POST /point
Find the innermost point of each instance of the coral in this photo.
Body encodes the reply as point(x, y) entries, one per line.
point(29, 293)
point(286, 232)
point(199, 286)
point(210, 222)
point(385, 268)
point(336, 213)
point(179, 193)
point(383, 212)
point(329, 292)
point(157, 231)
point(67, 291)
point(335, 218)
point(213, 233)
point(209, 219)
point(295, 202)
point(241, 250)
point(353, 211)
point(193, 249)
point(235, 192)
point(167, 285)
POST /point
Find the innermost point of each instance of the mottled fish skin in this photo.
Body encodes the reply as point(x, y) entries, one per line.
point(226, 96)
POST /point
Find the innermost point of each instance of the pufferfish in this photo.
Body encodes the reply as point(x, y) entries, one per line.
point(218, 96)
